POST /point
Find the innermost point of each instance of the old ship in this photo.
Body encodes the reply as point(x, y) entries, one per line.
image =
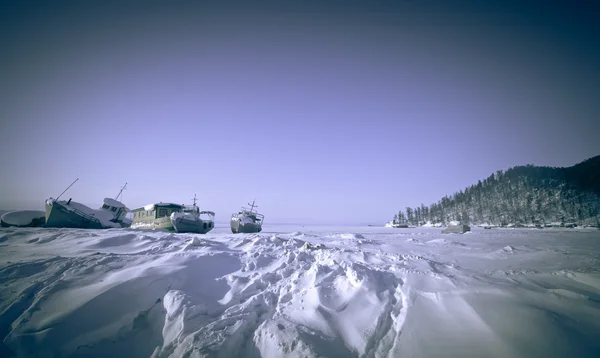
point(192, 220)
point(71, 214)
point(246, 220)
point(155, 216)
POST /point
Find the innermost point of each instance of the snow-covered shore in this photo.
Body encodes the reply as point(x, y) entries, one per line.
point(335, 292)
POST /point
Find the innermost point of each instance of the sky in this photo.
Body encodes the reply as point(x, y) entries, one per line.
point(324, 112)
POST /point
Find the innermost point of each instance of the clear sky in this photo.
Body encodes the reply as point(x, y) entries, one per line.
point(323, 113)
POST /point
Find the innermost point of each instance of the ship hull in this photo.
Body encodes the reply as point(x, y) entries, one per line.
point(183, 225)
point(244, 228)
point(59, 216)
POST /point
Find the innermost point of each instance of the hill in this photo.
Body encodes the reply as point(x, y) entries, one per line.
point(521, 195)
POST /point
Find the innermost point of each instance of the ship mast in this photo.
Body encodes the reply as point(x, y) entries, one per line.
point(66, 189)
point(194, 200)
point(121, 192)
point(252, 206)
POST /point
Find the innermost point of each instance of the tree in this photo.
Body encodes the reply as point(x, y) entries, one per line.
point(409, 215)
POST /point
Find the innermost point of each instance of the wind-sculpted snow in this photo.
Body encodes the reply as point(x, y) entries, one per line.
point(367, 292)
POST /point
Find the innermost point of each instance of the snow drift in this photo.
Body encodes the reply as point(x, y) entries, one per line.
point(363, 293)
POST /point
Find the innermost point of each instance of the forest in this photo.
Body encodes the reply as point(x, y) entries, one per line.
point(520, 195)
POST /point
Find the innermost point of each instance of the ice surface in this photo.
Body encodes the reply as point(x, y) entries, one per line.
point(300, 291)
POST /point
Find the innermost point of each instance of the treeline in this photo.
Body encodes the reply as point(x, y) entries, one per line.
point(521, 195)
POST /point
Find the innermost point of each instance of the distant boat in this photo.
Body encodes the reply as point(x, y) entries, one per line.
point(71, 214)
point(155, 216)
point(192, 220)
point(247, 221)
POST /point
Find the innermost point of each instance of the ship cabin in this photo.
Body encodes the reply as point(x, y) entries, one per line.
point(116, 208)
point(151, 212)
point(191, 209)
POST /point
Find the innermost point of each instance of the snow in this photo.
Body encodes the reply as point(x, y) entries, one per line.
point(150, 207)
point(204, 216)
point(22, 217)
point(188, 216)
point(246, 220)
point(300, 291)
point(140, 225)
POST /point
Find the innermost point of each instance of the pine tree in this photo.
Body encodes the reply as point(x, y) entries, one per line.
point(409, 215)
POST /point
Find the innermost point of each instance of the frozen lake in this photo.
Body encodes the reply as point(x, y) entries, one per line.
point(299, 291)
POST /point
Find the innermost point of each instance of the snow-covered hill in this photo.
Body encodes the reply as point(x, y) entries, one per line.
point(521, 195)
point(334, 292)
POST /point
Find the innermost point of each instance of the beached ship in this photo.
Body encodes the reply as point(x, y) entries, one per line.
point(192, 220)
point(246, 220)
point(155, 216)
point(71, 214)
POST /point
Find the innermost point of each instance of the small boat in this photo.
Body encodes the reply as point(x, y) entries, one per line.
point(23, 218)
point(247, 221)
point(71, 214)
point(192, 220)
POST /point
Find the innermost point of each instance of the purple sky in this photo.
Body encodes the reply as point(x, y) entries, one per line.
point(324, 114)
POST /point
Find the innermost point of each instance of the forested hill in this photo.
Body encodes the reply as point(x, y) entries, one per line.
point(521, 195)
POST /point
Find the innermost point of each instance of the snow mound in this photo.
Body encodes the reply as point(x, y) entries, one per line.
point(125, 293)
point(508, 249)
point(347, 236)
point(291, 304)
point(195, 242)
point(444, 242)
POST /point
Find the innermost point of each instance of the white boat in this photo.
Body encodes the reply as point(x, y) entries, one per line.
point(71, 214)
point(192, 220)
point(247, 220)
